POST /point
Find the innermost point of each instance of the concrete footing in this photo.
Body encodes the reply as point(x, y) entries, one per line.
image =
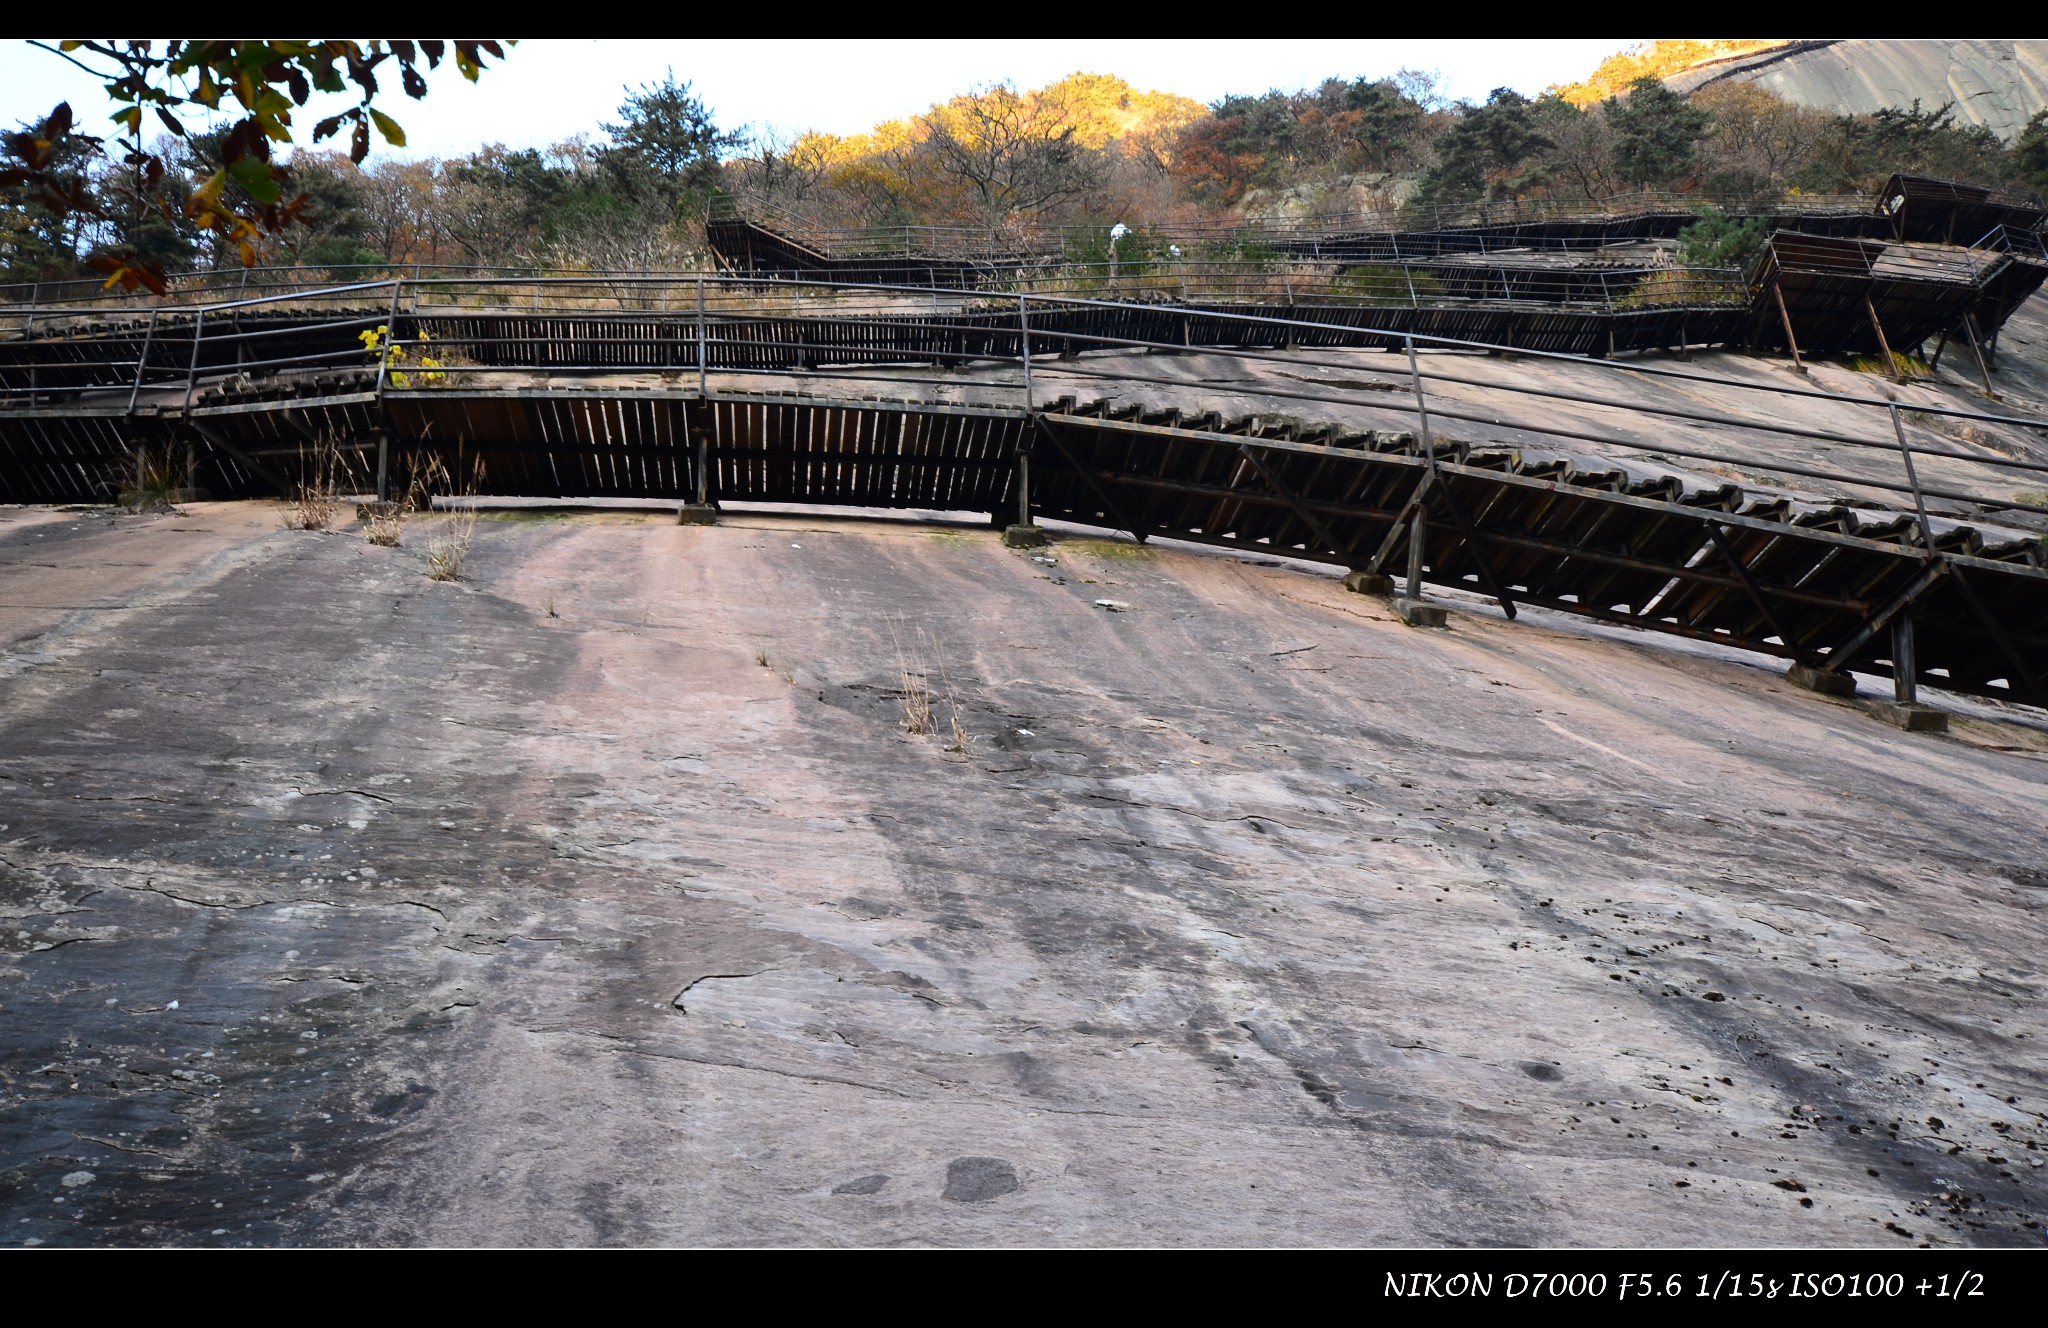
point(1368, 583)
point(1417, 614)
point(1912, 717)
point(1820, 680)
point(1024, 537)
point(697, 514)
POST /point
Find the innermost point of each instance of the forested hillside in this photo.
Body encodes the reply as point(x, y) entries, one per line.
point(632, 193)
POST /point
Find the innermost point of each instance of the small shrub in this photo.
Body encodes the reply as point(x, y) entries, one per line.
point(1718, 240)
point(1910, 366)
point(428, 368)
point(1386, 285)
point(1672, 286)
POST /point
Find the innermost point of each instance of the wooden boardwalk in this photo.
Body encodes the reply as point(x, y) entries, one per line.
point(611, 404)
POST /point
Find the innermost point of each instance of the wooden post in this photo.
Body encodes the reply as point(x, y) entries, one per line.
point(1983, 369)
point(192, 370)
point(142, 361)
point(1412, 591)
point(28, 336)
point(1786, 315)
point(1023, 488)
point(1024, 347)
point(383, 467)
point(1905, 668)
point(1912, 478)
point(1898, 374)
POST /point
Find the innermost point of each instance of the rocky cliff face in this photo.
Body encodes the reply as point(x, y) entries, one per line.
point(1994, 83)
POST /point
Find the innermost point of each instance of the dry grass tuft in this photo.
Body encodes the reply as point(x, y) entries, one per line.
point(449, 538)
point(917, 689)
point(917, 704)
point(325, 473)
point(384, 528)
point(961, 737)
point(155, 479)
point(920, 700)
point(448, 545)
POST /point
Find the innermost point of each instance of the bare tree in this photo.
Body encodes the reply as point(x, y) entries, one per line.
point(1011, 153)
point(1581, 156)
point(780, 171)
point(1758, 134)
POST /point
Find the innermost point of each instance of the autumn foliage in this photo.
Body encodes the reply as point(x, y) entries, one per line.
point(224, 181)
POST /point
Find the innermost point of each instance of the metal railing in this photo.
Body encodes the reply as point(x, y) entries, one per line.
point(1290, 280)
point(957, 241)
point(724, 334)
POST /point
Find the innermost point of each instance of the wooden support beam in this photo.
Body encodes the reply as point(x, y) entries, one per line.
point(1494, 585)
point(1983, 369)
point(1110, 505)
point(1905, 662)
point(1838, 658)
point(2021, 680)
point(261, 470)
point(1720, 539)
point(1393, 540)
point(1308, 518)
point(1883, 344)
point(1785, 315)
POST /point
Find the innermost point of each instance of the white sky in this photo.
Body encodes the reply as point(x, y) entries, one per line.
point(549, 90)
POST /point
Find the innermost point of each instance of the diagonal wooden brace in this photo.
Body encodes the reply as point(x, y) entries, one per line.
point(1720, 539)
point(2022, 680)
point(260, 469)
point(1471, 533)
point(1308, 518)
point(1110, 504)
point(1838, 658)
point(1400, 527)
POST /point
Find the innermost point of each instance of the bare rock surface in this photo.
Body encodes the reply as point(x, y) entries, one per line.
point(603, 898)
point(1998, 84)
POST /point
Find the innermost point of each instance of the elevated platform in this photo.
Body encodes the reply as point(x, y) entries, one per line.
point(1795, 559)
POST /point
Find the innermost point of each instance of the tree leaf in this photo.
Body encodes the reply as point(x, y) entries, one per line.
point(393, 134)
point(171, 122)
point(255, 177)
point(325, 76)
